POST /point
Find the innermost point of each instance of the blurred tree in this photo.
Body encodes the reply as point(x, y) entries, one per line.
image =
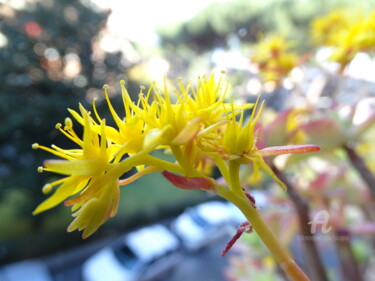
point(50, 59)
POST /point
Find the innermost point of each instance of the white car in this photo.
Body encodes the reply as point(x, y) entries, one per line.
point(146, 254)
point(200, 225)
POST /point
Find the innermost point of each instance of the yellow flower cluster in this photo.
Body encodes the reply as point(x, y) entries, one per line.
point(274, 58)
point(325, 29)
point(195, 124)
point(347, 32)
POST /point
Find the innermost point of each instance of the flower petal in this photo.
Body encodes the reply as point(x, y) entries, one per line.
point(188, 132)
point(70, 187)
point(75, 167)
point(96, 211)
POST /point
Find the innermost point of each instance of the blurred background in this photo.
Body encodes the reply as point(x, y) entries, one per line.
point(56, 54)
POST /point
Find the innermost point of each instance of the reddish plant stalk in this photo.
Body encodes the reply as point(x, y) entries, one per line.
point(349, 266)
point(358, 163)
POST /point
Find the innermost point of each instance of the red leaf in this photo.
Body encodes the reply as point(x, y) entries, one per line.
point(183, 182)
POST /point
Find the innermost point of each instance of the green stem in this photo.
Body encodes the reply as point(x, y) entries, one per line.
point(177, 153)
point(316, 267)
point(223, 168)
point(281, 255)
point(168, 166)
point(234, 178)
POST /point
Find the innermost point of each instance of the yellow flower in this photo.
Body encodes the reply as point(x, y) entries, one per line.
point(127, 143)
point(83, 168)
point(325, 28)
point(274, 58)
point(359, 37)
point(196, 125)
point(94, 207)
point(347, 32)
point(175, 125)
point(92, 172)
point(236, 141)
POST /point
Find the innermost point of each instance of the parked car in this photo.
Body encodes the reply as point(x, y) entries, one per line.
point(29, 270)
point(146, 254)
point(200, 225)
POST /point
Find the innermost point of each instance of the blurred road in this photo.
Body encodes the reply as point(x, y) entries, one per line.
point(204, 265)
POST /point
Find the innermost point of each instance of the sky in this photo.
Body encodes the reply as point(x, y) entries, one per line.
point(137, 20)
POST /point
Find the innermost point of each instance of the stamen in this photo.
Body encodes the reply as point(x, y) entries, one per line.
point(61, 154)
point(40, 169)
point(115, 116)
point(35, 146)
point(69, 133)
point(94, 108)
point(58, 126)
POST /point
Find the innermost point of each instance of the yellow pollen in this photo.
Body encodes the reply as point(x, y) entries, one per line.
point(122, 82)
point(35, 146)
point(40, 169)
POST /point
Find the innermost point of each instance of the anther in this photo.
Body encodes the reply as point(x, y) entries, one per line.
point(68, 123)
point(47, 188)
point(40, 169)
point(58, 126)
point(105, 86)
point(35, 146)
point(122, 82)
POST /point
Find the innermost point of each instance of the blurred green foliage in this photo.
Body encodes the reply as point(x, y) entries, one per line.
point(214, 26)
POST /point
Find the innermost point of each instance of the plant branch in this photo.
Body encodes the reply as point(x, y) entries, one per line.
point(349, 266)
point(361, 168)
point(316, 268)
point(281, 255)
